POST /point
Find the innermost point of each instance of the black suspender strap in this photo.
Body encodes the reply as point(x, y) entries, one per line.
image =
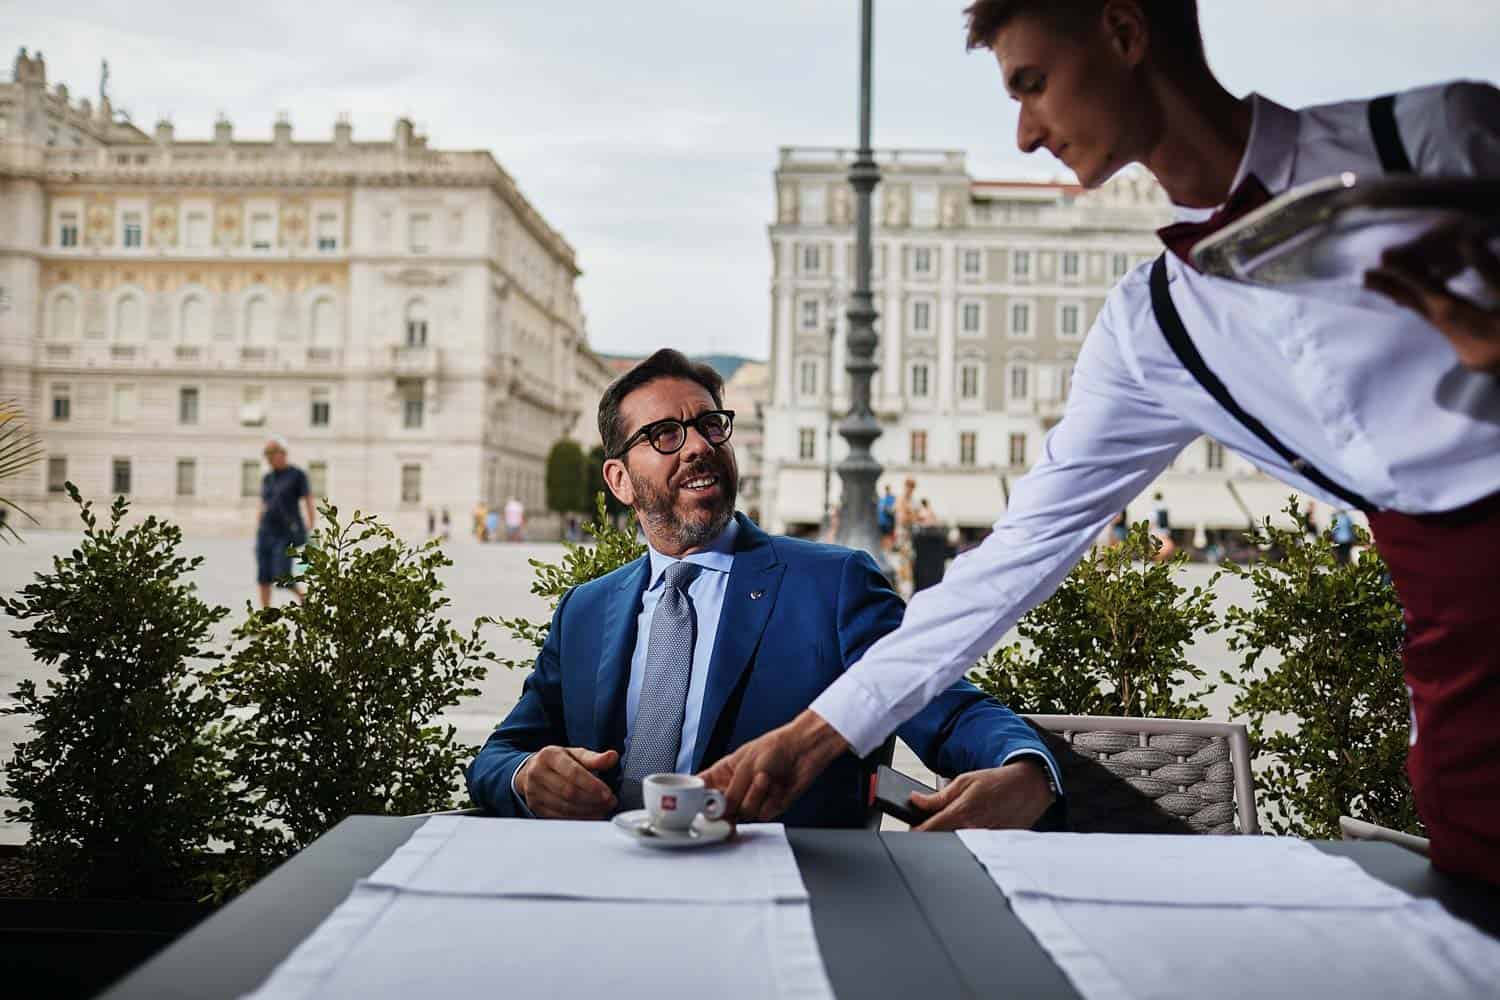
point(1388, 144)
point(1171, 325)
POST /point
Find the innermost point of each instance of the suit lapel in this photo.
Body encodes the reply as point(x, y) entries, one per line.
point(748, 601)
point(616, 645)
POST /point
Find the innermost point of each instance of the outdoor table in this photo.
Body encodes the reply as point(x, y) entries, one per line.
point(896, 915)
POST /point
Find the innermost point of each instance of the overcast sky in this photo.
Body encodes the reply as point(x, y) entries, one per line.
point(647, 131)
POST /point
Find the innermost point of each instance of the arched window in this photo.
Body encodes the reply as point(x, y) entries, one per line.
point(416, 323)
point(325, 331)
point(258, 322)
point(130, 319)
point(194, 325)
point(64, 324)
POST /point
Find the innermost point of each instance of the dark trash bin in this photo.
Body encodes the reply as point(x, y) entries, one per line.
point(929, 545)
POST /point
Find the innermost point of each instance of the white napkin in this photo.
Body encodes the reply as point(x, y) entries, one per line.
point(471, 856)
point(386, 944)
point(1180, 870)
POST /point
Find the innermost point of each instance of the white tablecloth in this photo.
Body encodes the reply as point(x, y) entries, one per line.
point(1165, 917)
point(484, 908)
point(470, 856)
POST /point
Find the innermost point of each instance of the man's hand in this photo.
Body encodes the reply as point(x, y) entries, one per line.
point(558, 783)
point(1010, 797)
point(1416, 276)
point(765, 776)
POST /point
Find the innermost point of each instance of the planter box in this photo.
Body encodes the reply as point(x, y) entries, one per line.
point(77, 947)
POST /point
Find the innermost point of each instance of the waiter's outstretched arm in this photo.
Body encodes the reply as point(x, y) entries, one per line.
point(1115, 437)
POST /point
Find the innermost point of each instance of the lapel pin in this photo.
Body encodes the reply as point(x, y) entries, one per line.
point(756, 595)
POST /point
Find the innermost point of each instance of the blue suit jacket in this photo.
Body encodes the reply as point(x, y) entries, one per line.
point(796, 614)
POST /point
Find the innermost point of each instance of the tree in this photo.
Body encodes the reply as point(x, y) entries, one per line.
point(19, 448)
point(1332, 715)
point(341, 693)
point(1111, 641)
point(124, 784)
point(567, 478)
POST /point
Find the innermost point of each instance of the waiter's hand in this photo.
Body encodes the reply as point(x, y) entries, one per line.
point(765, 776)
point(1010, 797)
point(1416, 276)
point(559, 783)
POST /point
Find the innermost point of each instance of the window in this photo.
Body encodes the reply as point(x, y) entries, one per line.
point(328, 231)
point(57, 474)
point(921, 317)
point(812, 258)
point(322, 408)
point(411, 484)
point(249, 478)
point(67, 231)
point(195, 328)
point(924, 205)
point(966, 440)
point(317, 478)
point(973, 263)
point(120, 476)
point(814, 208)
point(122, 409)
point(130, 320)
point(1068, 324)
point(1070, 265)
point(808, 378)
point(969, 317)
point(1020, 319)
point(918, 447)
point(64, 318)
point(412, 404)
point(324, 323)
point(62, 403)
point(416, 324)
point(1020, 379)
point(132, 234)
point(968, 382)
point(1118, 264)
point(1017, 450)
point(809, 314)
point(919, 375)
point(253, 405)
point(1213, 455)
point(1020, 264)
point(807, 443)
point(187, 405)
point(260, 231)
point(187, 477)
point(258, 322)
point(418, 231)
point(921, 261)
point(197, 229)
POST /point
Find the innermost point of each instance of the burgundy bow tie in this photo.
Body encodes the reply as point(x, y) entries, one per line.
point(1180, 237)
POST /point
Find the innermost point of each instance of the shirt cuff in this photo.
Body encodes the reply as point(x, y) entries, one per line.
point(855, 713)
point(521, 799)
point(1051, 768)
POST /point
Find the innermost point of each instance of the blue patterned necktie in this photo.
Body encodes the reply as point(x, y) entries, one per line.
point(657, 735)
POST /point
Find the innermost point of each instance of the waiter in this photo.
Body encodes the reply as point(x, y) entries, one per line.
point(1339, 394)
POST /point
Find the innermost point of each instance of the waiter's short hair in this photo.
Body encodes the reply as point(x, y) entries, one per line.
point(665, 363)
point(1175, 21)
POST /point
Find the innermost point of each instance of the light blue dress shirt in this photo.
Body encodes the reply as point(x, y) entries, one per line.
point(706, 595)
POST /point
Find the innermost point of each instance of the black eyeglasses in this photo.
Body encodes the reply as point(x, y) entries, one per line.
point(669, 435)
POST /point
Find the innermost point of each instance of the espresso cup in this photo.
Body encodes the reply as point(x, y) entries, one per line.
point(675, 800)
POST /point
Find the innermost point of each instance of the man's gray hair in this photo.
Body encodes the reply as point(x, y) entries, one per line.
point(278, 441)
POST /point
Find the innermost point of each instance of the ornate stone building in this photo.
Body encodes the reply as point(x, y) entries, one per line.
point(401, 314)
point(986, 290)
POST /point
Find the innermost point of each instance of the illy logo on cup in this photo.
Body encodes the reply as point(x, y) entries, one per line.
point(669, 802)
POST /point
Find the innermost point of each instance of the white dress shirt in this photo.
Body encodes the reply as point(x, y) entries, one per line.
point(1345, 377)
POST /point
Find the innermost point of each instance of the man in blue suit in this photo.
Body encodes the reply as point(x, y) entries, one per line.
point(718, 634)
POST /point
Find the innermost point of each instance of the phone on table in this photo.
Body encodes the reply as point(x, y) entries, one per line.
point(890, 791)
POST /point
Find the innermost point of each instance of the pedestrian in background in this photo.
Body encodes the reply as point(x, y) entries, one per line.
point(515, 519)
point(284, 494)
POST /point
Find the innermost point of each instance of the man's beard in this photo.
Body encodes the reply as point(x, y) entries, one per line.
point(657, 508)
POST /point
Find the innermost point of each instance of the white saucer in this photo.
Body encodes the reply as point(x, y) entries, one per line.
point(636, 824)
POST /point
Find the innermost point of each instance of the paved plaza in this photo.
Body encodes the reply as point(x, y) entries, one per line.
point(483, 580)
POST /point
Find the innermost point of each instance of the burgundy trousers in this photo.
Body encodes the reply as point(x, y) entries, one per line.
point(1446, 568)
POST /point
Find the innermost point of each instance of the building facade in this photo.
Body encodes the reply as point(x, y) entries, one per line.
point(401, 314)
point(986, 291)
